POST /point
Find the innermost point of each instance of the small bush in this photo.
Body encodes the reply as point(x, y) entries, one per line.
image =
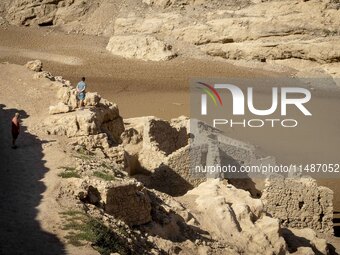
point(104, 176)
point(84, 154)
point(104, 165)
point(82, 228)
point(69, 172)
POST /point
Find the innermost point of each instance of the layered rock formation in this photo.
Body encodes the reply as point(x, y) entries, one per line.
point(101, 117)
point(47, 12)
point(300, 35)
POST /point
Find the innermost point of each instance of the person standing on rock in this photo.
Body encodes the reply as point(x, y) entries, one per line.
point(81, 86)
point(15, 129)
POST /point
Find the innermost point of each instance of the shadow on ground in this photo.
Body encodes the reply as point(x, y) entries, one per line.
point(21, 188)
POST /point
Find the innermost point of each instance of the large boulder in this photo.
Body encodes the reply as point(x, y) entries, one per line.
point(68, 96)
point(140, 47)
point(101, 119)
point(231, 215)
point(92, 99)
point(59, 108)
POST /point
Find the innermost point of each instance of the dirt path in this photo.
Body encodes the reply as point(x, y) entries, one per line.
point(21, 174)
point(30, 221)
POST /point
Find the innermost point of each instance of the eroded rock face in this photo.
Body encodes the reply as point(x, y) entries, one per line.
point(299, 203)
point(46, 12)
point(92, 142)
point(321, 52)
point(307, 31)
point(87, 122)
point(100, 116)
point(140, 47)
point(92, 99)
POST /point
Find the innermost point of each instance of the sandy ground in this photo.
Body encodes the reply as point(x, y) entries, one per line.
point(139, 88)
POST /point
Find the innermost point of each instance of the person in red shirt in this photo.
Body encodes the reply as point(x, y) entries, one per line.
point(15, 129)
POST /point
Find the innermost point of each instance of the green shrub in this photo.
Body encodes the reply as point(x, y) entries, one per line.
point(69, 172)
point(82, 228)
point(104, 176)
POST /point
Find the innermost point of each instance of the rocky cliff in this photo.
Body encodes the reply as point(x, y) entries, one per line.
point(300, 36)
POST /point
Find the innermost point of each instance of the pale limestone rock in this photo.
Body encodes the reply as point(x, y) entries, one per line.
point(43, 74)
point(64, 94)
point(321, 52)
point(101, 119)
point(68, 96)
point(35, 65)
point(59, 108)
point(304, 251)
point(131, 136)
point(78, 123)
point(231, 215)
point(251, 32)
point(92, 99)
point(140, 47)
point(45, 12)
